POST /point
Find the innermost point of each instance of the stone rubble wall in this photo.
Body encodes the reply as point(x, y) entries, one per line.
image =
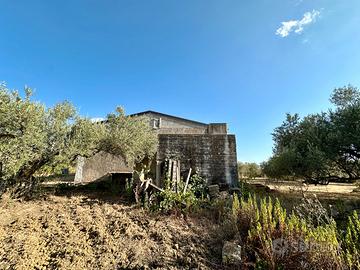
point(212, 156)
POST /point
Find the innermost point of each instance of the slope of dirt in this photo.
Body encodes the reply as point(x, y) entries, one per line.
point(82, 232)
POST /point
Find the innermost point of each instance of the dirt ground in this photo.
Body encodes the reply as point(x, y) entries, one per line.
point(90, 232)
point(294, 186)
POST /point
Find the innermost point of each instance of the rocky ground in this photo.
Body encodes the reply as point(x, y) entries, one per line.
point(79, 231)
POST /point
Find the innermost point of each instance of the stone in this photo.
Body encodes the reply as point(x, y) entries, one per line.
point(231, 253)
point(213, 191)
point(224, 195)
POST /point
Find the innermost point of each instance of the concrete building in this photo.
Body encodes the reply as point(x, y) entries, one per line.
point(207, 149)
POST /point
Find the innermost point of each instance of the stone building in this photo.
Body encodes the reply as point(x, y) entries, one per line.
point(207, 149)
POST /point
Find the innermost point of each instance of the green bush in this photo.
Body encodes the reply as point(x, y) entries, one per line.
point(176, 201)
point(275, 240)
point(171, 199)
point(351, 242)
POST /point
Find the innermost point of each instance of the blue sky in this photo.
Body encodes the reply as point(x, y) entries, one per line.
point(242, 62)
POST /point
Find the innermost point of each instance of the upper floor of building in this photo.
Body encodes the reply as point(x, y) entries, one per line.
point(169, 124)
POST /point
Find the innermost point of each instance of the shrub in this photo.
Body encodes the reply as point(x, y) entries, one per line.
point(180, 200)
point(351, 242)
point(275, 240)
point(176, 201)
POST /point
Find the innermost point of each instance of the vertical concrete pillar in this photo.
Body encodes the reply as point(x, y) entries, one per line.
point(79, 170)
point(158, 173)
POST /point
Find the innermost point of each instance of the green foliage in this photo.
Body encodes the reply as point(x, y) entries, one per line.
point(35, 139)
point(307, 238)
point(130, 137)
point(281, 241)
point(345, 96)
point(169, 200)
point(351, 242)
point(249, 170)
point(198, 186)
point(129, 184)
point(235, 206)
point(176, 201)
point(320, 147)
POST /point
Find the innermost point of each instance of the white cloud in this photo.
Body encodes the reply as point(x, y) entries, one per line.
point(297, 26)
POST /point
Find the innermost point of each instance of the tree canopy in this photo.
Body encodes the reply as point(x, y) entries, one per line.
point(34, 137)
point(249, 170)
point(320, 147)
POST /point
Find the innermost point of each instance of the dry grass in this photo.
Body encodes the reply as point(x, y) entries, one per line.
point(343, 189)
point(94, 232)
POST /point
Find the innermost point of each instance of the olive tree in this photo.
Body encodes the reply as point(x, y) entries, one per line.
point(320, 147)
point(34, 137)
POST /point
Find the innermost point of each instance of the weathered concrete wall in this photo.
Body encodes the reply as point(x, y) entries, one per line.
point(170, 125)
point(206, 148)
point(182, 131)
point(213, 156)
point(217, 128)
point(98, 166)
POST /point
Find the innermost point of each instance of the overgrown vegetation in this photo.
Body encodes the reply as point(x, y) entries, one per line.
point(34, 139)
point(351, 242)
point(179, 199)
point(273, 239)
point(320, 147)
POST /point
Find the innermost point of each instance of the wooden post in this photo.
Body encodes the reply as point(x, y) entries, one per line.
point(187, 181)
point(158, 173)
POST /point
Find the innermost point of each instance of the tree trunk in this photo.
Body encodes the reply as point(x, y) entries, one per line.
point(24, 183)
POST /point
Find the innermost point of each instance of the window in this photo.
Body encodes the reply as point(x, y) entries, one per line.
point(156, 123)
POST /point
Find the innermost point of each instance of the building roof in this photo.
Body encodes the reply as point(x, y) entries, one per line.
point(168, 115)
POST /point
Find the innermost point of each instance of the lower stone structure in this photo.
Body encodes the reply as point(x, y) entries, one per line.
point(99, 166)
point(211, 156)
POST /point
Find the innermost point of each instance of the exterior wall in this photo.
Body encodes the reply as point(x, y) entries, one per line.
point(170, 125)
point(212, 156)
point(98, 166)
point(206, 148)
point(181, 131)
point(217, 128)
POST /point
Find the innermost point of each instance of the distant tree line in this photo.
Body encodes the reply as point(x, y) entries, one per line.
point(34, 138)
point(320, 147)
point(249, 170)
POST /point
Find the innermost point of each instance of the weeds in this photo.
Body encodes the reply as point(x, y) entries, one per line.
point(181, 200)
point(273, 239)
point(351, 242)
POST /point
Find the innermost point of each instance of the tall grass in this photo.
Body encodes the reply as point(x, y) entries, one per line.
point(275, 239)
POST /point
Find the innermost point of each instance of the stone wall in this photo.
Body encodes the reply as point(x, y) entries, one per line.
point(212, 156)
